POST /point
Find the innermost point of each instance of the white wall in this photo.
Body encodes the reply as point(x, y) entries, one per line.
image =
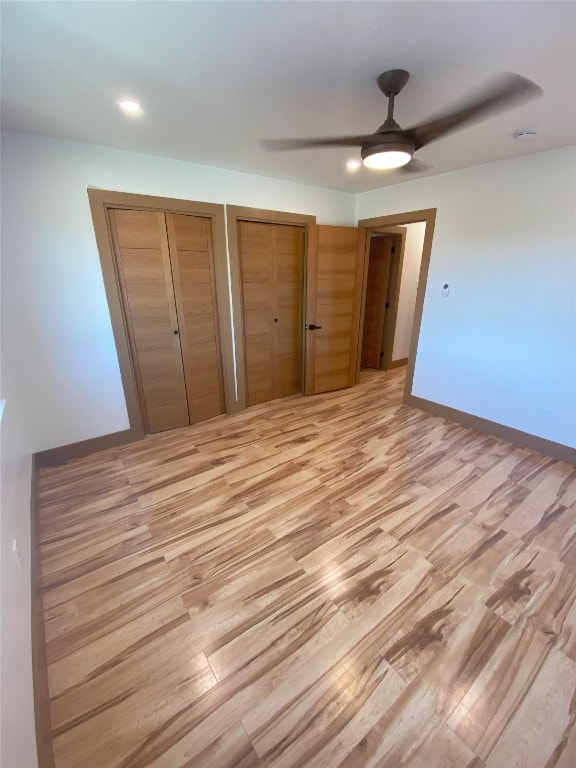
point(17, 739)
point(408, 287)
point(502, 346)
point(60, 372)
point(68, 370)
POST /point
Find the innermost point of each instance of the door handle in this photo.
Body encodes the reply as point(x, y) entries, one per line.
point(313, 327)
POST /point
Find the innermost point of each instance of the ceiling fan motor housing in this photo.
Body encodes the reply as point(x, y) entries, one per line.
point(388, 142)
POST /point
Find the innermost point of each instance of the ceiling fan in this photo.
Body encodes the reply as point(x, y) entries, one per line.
point(391, 147)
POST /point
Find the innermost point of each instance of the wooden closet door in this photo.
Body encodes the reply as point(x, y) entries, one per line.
point(334, 295)
point(141, 247)
point(288, 267)
point(190, 240)
point(256, 275)
point(271, 273)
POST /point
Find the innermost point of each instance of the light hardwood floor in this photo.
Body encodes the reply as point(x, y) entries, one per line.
point(329, 581)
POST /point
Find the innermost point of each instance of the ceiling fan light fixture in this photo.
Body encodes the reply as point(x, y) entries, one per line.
point(387, 155)
point(387, 159)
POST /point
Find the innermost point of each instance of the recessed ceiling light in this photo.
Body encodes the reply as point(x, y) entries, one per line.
point(353, 165)
point(130, 106)
point(524, 135)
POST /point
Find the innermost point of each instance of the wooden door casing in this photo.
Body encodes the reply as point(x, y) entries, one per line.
point(334, 293)
point(377, 289)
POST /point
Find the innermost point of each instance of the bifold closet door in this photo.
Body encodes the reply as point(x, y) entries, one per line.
point(141, 246)
point(190, 241)
point(271, 273)
point(166, 271)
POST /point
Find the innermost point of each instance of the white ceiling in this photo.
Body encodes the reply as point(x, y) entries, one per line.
point(214, 77)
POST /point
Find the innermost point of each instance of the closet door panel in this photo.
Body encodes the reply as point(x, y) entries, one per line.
point(196, 272)
point(206, 400)
point(288, 368)
point(289, 295)
point(194, 288)
point(271, 267)
point(258, 321)
point(258, 356)
point(288, 257)
point(202, 332)
point(144, 268)
point(258, 295)
point(256, 265)
point(190, 233)
point(288, 302)
point(288, 317)
point(256, 274)
point(335, 286)
point(139, 229)
point(196, 298)
point(260, 361)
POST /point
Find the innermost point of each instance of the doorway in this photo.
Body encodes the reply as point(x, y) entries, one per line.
point(385, 261)
point(406, 333)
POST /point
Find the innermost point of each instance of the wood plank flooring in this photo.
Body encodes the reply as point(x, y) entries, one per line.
point(329, 581)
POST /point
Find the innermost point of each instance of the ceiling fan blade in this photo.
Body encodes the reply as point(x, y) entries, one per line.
point(283, 145)
point(508, 91)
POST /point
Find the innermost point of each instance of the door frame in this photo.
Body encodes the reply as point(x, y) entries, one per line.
point(391, 315)
point(235, 214)
point(428, 216)
point(100, 201)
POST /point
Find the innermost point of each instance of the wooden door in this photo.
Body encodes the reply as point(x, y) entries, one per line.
point(190, 241)
point(288, 280)
point(376, 299)
point(256, 255)
point(334, 293)
point(143, 259)
point(271, 277)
